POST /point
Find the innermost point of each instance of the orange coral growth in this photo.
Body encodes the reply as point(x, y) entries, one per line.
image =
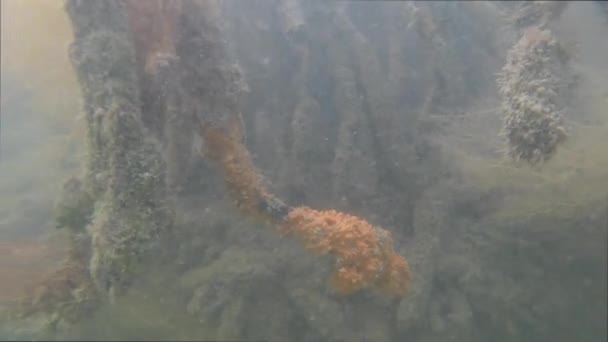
point(232, 157)
point(365, 255)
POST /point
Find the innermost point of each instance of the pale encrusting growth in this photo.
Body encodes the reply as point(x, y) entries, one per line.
point(534, 84)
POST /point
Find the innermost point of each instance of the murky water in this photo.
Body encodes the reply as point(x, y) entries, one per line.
point(304, 171)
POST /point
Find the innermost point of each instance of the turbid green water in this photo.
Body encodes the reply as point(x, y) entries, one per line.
point(388, 111)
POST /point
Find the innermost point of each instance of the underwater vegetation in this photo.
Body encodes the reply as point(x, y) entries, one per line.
point(534, 84)
point(364, 254)
point(118, 216)
point(311, 171)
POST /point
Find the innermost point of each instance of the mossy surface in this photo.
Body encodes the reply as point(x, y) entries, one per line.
point(125, 171)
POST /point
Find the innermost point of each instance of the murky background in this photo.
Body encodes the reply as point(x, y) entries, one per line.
point(388, 111)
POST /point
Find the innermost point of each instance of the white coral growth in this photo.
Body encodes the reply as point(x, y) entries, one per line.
point(533, 85)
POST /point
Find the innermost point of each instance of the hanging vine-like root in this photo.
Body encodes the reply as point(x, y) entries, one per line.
point(243, 182)
point(364, 254)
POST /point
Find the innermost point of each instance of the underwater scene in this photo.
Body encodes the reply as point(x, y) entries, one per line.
point(292, 170)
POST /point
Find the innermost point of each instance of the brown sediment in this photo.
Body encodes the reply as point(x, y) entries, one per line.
point(153, 24)
point(364, 253)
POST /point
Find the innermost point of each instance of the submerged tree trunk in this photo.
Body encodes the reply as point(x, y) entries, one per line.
point(126, 175)
point(119, 215)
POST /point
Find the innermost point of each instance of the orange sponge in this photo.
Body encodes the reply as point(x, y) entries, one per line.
point(364, 253)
